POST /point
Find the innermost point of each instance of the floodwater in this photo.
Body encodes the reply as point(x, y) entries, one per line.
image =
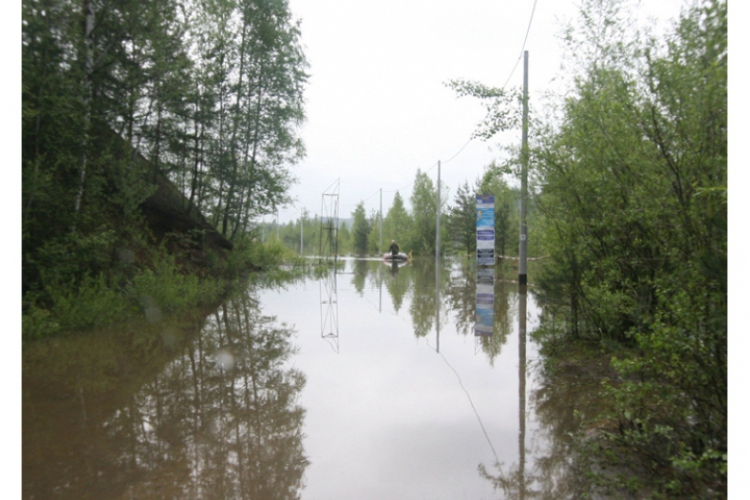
point(353, 385)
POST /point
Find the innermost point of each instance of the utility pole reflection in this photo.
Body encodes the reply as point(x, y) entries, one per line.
point(437, 301)
point(521, 390)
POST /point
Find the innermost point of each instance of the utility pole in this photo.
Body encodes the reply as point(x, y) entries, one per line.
point(525, 170)
point(277, 224)
point(381, 220)
point(437, 231)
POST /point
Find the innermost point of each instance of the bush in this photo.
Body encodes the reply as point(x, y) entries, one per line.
point(155, 291)
point(91, 303)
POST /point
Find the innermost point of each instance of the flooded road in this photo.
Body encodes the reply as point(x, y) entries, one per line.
point(353, 385)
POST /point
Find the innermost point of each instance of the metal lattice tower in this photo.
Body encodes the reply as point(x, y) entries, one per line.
point(329, 224)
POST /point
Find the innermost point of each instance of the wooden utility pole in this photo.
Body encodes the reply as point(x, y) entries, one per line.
point(525, 171)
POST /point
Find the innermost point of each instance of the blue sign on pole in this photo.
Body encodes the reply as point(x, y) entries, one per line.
point(485, 229)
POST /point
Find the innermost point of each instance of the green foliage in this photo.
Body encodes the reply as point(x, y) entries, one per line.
point(633, 214)
point(161, 289)
point(269, 254)
point(74, 308)
point(462, 220)
point(374, 237)
point(502, 106)
point(360, 230)
point(97, 301)
point(397, 224)
point(207, 93)
point(421, 240)
point(345, 240)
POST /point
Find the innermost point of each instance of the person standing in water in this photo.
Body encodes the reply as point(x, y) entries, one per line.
point(393, 249)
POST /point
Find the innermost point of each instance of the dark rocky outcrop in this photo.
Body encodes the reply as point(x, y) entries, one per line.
point(167, 211)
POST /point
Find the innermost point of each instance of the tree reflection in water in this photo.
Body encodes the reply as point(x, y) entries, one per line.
point(215, 417)
point(398, 285)
point(513, 480)
point(460, 297)
point(558, 471)
point(457, 296)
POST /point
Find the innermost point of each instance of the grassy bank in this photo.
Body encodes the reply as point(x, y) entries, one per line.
point(150, 283)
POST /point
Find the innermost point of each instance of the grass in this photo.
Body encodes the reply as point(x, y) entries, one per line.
point(155, 288)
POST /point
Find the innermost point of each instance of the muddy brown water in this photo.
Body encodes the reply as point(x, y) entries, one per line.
point(368, 383)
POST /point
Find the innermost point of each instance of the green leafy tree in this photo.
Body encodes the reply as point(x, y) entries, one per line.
point(397, 224)
point(462, 220)
point(373, 239)
point(421, 238)
point(360, 230)
point(117, 93)
point(633, 205)
point(632, 210)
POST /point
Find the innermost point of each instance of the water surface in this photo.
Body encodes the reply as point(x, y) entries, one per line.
point(368, 383)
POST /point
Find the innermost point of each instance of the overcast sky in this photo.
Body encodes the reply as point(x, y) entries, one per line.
point(377, 105)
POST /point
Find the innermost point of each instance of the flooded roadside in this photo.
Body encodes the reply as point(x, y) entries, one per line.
point(356, 385)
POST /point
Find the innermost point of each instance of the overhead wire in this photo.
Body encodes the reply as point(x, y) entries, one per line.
point(459, 151)
point(523, 46)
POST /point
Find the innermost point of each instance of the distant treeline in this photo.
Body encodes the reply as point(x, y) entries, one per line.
point(414, 229)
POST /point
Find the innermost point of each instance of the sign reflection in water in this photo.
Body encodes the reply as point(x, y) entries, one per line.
point(485, 311)
point(514, 484)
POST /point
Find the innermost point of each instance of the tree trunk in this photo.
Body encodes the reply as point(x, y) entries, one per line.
point(235, 126)
point(88, 58)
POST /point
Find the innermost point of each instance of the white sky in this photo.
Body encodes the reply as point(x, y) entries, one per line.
point(377, 105)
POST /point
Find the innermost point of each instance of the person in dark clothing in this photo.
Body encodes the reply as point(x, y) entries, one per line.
point(393, 248)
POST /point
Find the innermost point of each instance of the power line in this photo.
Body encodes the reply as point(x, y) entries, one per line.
point(459, 151)
point(528, 29)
